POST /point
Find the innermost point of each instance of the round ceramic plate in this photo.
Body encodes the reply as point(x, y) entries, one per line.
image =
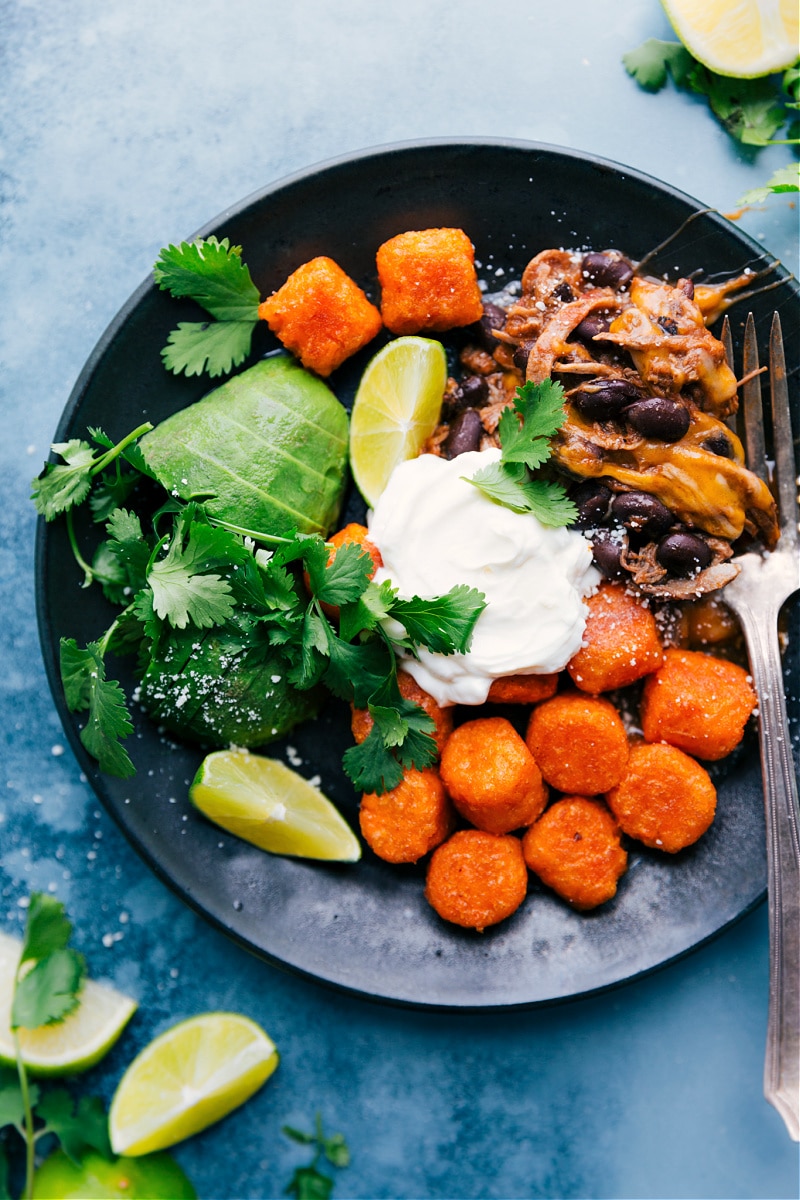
point(367, 928)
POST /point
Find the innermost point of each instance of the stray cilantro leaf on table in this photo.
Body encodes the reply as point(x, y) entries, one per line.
point(785, 179)
point(49, 990)
point(524, 431)
point(212, 273)
point(650, 63)
point(308, 1182)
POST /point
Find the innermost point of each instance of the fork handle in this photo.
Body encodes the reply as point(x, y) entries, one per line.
point(782, 1062)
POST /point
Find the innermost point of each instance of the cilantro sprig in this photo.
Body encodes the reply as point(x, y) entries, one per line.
point(308, 1182)
point(524, 431)
point(211, 273)
point(47, 984)
point(752, 111)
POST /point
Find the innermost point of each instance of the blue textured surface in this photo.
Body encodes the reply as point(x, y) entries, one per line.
point(125, 126)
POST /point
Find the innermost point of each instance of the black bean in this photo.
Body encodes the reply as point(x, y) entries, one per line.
point(564, 292)
point(521, 355)
point(719, 443)
point(666, 420)
point(494, 317)
point(472, 392)
point(592, 499)
point(668, 325)
point(683, 553)
point(605, 400)
point(465, 434)
point(592, 326)
point(607, 556)
point(606, 269)
point(642, 513)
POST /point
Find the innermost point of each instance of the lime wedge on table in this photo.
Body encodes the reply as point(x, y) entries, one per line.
point(743, 38)
point(192, 1075)
point(155, 1177)
point(266, 803)
point(396, 409)
point(74, 1044)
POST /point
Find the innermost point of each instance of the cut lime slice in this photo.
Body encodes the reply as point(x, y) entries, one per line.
point(396, 409)
point(74, 1044)
point(264, 802)
point(155, 1177)
point(743, 38)
point(188, 1078)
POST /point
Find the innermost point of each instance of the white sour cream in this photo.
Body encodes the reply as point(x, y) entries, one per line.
point(434, 530)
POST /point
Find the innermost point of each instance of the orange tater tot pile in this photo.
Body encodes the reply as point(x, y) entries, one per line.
point(523, 689)
point(476, 879)
point(620, 644)
point(362, 722)
point(575, 849)
point(428, 281)
point(358, 534)
point(698, 703)
point(579, 743)
point(491, 775)
point(665, 799)
point(405, 823)
point(321, 315)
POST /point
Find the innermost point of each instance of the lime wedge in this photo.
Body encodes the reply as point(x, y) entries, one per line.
point(155, 1177)
point(396, 409)
point(77, 1042)
point(188, 1078)
point(264, 802)
point(743, 38)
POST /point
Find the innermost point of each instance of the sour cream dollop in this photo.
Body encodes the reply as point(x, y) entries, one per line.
point(435, 530)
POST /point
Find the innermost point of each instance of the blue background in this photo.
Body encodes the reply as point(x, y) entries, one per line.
point(128, 125)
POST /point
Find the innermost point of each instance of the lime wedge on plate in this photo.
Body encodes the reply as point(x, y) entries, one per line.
point(743, 38)
point(396, 409)
point(76, 1043)
point(191, 1076)
point(266, 803)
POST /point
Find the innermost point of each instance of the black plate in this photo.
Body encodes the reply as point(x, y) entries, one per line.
point(367, 928)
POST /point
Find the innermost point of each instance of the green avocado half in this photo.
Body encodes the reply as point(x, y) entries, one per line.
point(266, 451)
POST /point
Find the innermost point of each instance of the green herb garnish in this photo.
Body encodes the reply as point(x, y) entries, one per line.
point(524, 431)
point(309, 1183)
point(212, 273)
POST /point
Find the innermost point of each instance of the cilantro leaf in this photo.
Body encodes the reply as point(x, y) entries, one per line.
point(364, 614)
point(80, 1128)
point(63, 485)
point(354, 672)
point(749, 109)
point(212, 273)
point(307, 1183)
point(336, 1150)
point(342, 580)
point(49, 991)
point(184, 586)
point(785, 179)
point(650, 63)
point(511, 486)
point(12, 1104)
point(444, 624)
point(213, 346)
point(86, 687)
point(371, 765)
point(524, 430)
point(46, 927)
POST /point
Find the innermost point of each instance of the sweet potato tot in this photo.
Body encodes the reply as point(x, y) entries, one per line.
point(575, 849)
point(698, 703)
point(405, 823)
point(476, 879)
point(579, 743)
point(620, 643)
point(665, 799)
point(362, 722)
point(428, 281)
point(321, 315)
point(523, 689)
point(491, 775)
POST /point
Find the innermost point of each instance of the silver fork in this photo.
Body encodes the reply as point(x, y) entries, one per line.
point(756, 596)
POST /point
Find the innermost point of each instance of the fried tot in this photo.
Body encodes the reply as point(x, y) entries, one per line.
point(523, 689)
point(665, 799)
point(698, 703)
point(579, 743)
point(491, 775)
point(620, 642)
point(405, 823)
point(476, 879)
point(575, 849)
